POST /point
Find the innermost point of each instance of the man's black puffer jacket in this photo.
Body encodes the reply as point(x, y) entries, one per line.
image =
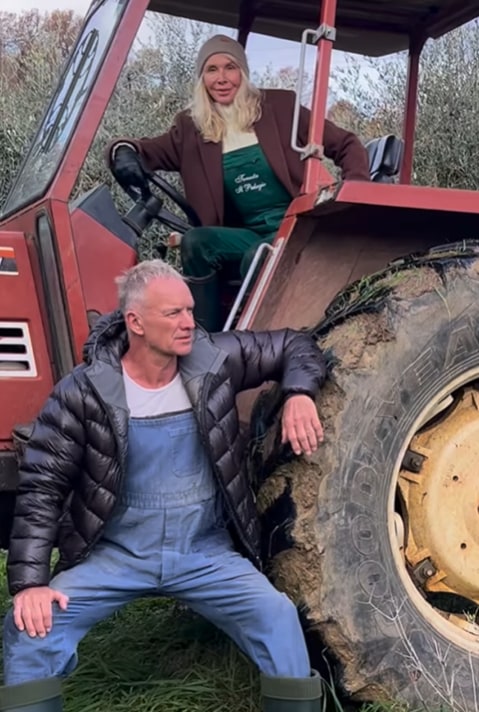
point(72, 467)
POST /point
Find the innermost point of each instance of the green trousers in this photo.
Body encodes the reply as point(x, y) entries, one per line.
point(208, 249)
point(205, 251)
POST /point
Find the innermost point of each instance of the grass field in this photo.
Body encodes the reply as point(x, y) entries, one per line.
point(155, 656)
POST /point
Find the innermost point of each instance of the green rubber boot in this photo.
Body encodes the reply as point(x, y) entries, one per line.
point(292, 694)
point(35, 696)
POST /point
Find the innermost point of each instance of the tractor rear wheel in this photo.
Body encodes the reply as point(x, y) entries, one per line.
point(376, 536)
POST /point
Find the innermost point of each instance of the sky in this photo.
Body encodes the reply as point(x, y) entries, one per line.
point(261, 50)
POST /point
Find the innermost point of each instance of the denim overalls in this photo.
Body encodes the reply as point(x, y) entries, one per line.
point(167, 537)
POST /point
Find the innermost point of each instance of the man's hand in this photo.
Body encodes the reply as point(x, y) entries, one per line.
point(301, 426)
point(32, 609)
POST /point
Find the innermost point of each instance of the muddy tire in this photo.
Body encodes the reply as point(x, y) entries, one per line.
point(396, 344)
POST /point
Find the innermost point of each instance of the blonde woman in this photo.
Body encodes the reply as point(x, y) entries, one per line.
point(232, 149)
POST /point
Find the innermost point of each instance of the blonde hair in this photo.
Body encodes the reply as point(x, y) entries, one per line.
point(208, 118)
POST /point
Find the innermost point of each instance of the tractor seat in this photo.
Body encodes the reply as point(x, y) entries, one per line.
point(385, 156)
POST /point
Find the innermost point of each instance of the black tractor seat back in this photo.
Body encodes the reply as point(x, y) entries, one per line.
point(385, 155)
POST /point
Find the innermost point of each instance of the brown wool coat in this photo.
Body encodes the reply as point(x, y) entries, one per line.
point(199, 162)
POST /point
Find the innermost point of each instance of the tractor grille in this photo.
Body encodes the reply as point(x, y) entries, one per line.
point(16, 352)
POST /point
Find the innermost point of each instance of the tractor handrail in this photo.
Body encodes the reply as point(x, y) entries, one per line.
point(299, 89)
point(274, 250)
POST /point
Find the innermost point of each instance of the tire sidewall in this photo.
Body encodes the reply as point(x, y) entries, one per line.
point(366, 596)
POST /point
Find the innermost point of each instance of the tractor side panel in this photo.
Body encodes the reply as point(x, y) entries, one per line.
point(25, 368)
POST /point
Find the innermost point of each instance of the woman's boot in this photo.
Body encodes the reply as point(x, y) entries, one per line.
point(205, 291)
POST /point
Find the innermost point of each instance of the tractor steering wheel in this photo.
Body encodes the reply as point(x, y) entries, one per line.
point(163, 215)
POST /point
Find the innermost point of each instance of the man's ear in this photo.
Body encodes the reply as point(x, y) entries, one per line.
point(134, 322)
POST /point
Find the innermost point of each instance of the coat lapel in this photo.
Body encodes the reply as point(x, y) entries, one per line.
point(269, 139)
point(211, 158)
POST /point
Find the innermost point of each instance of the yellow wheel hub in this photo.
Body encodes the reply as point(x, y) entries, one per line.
point(441, 499)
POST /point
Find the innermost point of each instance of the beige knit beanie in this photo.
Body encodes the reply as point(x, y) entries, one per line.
point(221, 44)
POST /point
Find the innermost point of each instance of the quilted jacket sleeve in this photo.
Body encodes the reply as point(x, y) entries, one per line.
point(51, 462)
point(288, 357)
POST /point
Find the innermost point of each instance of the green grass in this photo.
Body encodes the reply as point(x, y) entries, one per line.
point(155, 656)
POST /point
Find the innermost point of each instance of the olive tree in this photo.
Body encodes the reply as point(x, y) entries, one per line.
point(447, 133)
point(33, 47)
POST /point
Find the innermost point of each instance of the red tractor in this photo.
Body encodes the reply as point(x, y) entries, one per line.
point(376, 537)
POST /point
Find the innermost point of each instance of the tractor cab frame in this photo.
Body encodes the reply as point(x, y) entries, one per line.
point(375, 536)
point(59, 257)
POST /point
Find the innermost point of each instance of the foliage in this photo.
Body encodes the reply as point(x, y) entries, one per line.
point(371, 102)
point(284, 78)
point(155, 84)
point(157, 79)
point(33, 47)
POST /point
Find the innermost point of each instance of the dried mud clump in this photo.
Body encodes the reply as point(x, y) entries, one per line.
point(412, 283)
point(297, 570)
point(352, 338)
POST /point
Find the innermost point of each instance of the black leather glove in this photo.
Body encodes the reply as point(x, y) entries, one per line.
point(128, 171)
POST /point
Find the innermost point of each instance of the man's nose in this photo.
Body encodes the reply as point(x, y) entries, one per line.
point(188, 320)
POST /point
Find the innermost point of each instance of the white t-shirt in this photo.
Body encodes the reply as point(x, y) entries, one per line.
point(149, 402)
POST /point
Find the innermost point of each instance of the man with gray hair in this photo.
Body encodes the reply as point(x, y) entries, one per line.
point(135, 469)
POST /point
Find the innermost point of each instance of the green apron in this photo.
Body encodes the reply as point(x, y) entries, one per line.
point(252, 190)
point(255, 203)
